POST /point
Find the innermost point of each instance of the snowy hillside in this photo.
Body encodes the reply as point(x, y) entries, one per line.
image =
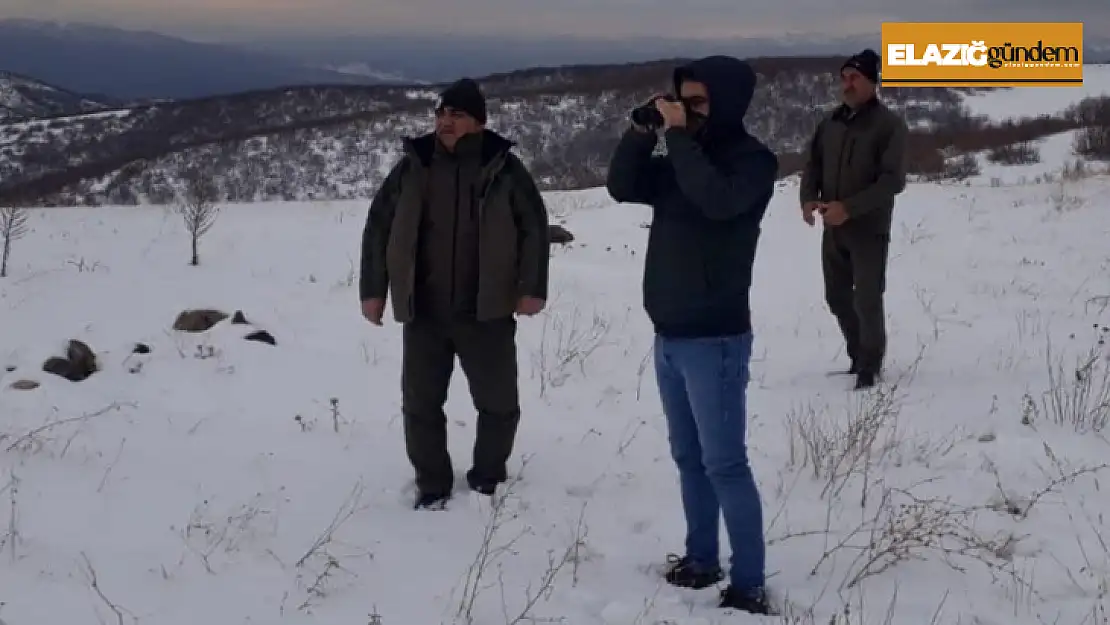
point(338, 142)
point(204, 478)
point(1002, 104)
point(22, 98)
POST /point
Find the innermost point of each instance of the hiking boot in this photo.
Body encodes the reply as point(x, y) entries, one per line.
point(752, 601)
point(481, 484)
point(431, 501)
point(683, 573)
point(865, 379)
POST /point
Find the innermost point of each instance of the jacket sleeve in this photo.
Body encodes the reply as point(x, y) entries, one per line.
point(633, 171)
point(810, 188)
point(373, 278)
point(892, 173)
point(533, 240)
point(721, 194)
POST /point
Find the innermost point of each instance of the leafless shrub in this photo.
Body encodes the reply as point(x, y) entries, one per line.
point(1061, 197)
point(962, 167)
point(492, 550)
point(904, 527)
point(34, 440)
point(855, 612)
point(321, 564)
point(1093, 140)
point(1078, 396)
point(119, 612)
point(1021, 506)
point(567, 342)
point(12, 537)
point(207, 534)
point(13, 226)
point(836, 453)
point(1095, 566)
point(83, 265)
point(1076, 169)
point(198, 208)
point(937, 318)
point(1022, 153)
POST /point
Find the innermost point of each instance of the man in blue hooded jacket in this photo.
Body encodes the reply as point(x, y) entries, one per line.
point(708, 195)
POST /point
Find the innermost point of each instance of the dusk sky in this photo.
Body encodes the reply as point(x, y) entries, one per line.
point(222, 19)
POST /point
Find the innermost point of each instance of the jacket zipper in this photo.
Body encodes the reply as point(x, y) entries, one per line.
point(844, 153)
point(455, 240)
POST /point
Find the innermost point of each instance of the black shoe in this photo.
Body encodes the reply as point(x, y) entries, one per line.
point(431, 501)
point(684, 574)
point(481, 484)
point(865, 379)
point(754, 602)
point(852, 369)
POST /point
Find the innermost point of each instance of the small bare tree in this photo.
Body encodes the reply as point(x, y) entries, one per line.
point(13, 225)
point(198, 208)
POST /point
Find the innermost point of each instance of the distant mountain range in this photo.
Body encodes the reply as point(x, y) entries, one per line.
point(132, 65)
point(108, 64)
point(446, 57)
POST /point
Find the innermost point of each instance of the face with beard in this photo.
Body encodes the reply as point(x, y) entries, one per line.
point(453, 124)
point(855, 88)
point(695, 97)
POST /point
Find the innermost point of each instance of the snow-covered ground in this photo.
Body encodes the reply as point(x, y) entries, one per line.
point(1003, 104)
point(219, 480)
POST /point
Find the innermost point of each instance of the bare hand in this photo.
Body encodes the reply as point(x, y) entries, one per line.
point(674, 113)
point(373, 309)
point(807, 212)
point(529, 306)
point(833, 213)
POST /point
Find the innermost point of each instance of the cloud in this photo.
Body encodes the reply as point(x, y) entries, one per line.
point(587, 18)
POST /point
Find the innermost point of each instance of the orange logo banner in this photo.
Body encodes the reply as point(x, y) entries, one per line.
point(982, 54)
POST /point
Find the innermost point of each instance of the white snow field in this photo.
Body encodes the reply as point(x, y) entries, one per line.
point(218, 480)
point(1001, 104)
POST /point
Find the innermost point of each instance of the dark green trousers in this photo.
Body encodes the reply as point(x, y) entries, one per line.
point(854, 265)
point(487, 353)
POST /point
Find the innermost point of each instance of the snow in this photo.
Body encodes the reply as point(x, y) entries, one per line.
point(11, 92)
point(208, 469)
point(1002, 104)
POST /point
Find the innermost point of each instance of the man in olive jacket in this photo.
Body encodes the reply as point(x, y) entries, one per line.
point(457, 237)
point(856, 166)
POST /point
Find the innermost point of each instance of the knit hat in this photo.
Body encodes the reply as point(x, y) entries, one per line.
point(866, 63)
point(464, 95)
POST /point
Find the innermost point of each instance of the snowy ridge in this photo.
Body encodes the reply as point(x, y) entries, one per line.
point(565, 122)
point(220, 480)
point(24, 98)
point(364, 70)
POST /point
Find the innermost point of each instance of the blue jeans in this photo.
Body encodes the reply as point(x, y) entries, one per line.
point(703, 388)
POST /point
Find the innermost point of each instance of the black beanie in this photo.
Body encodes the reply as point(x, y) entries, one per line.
point(464, 95)
point(866, 63)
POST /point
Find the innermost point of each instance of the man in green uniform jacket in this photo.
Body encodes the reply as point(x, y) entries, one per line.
point(457, 238)
point(856, 166)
